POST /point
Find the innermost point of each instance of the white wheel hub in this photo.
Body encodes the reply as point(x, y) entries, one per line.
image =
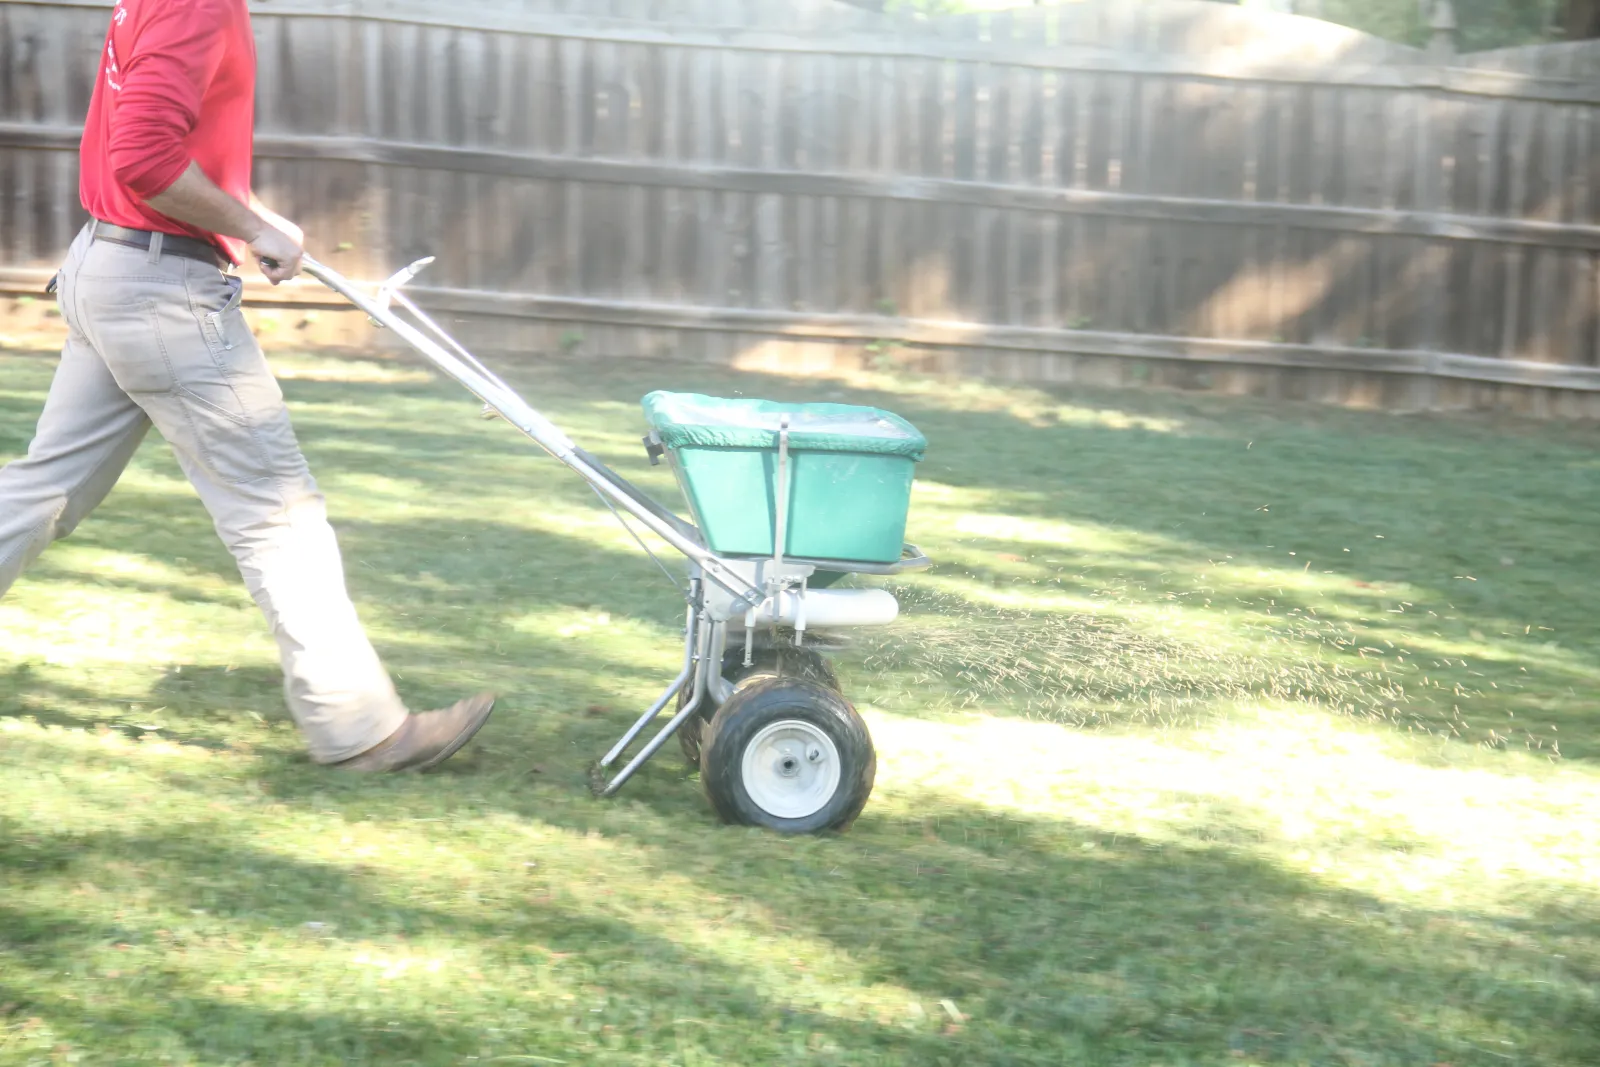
point(791, 769)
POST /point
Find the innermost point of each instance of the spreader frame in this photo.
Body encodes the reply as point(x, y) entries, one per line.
point(726, 596)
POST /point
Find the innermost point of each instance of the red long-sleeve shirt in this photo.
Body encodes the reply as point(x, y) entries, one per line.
point(177, 84)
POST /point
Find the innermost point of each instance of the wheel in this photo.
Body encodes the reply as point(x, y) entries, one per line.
point(789, 755)
point(776, 661)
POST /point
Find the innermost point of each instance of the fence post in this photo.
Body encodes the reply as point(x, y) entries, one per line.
point(1442, 24)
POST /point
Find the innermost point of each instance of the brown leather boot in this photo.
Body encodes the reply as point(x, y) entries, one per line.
point(427, 739)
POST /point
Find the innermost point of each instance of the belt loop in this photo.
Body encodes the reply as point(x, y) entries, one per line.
point(94, 230)
point(156, 240)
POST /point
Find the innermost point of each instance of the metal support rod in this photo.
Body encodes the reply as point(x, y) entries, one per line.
point(644, 720)
point(780, 532)
point(516, 410)
point(713, 568)
point(456, 346)
point(717, 687)
point(689, 708)
point(690, 629)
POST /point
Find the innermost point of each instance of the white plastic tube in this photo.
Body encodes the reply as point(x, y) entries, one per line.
point(825, 609)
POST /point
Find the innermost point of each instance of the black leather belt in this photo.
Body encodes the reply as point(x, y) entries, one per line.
point(171, 244)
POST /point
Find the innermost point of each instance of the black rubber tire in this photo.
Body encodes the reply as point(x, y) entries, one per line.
point(771, 700)
point(779, 661)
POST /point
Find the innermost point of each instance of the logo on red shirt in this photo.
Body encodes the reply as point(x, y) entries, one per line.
point(112, 73)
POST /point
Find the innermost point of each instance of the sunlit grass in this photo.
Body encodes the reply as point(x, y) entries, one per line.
point(1220, 734)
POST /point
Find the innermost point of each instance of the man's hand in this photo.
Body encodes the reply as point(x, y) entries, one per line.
point(277, 253)
point(276, 262)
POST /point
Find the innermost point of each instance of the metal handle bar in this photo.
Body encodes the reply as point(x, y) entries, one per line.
point(495, 393)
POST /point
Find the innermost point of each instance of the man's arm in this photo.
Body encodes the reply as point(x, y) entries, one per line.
point(161, 93)
point(195, 199)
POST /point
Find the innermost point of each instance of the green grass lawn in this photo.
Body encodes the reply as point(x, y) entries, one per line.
point(1221, 734)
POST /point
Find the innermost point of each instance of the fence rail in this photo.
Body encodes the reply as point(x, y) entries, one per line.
point(1173, 182)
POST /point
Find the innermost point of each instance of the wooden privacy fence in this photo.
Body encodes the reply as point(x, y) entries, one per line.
point(1107, 190)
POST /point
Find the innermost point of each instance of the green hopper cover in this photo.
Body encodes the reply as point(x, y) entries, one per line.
point(690, 420)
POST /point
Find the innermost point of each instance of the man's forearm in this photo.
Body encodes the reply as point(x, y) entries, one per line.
point(196, 200)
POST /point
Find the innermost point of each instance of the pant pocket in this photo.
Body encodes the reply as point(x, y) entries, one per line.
point(225, 326)
point(225, 442)
point(218, 401)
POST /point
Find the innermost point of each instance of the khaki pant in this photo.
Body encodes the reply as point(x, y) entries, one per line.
point(161, 339)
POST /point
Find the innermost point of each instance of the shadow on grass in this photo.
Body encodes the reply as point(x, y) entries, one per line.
point(1182, 485)
point(1463, 536)
point(1050, 939)
point(1061, 945)
point(52, 703)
